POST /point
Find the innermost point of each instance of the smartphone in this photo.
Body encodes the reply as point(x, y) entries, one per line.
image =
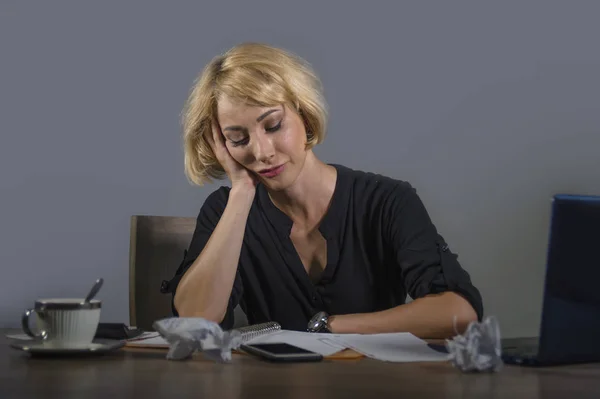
point(281, 352)
point(117, 331)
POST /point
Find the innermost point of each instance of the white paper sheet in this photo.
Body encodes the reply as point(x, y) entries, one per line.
point(156, 341)
point(392, 347)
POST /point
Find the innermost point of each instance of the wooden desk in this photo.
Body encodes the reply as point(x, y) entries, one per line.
point(144, 373)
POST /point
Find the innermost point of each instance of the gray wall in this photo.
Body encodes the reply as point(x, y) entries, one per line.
point(488, 109)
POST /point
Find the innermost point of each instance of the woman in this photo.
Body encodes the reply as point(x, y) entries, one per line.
point(293, 237)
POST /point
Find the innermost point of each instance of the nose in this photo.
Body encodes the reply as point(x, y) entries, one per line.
point(263, 148)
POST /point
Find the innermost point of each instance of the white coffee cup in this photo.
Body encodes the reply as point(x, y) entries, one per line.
point(64, 323)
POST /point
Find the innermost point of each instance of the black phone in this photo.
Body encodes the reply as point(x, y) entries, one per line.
point(118, 331)
point(282, 352)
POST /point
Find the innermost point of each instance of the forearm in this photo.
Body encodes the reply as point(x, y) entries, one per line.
point(429, 317)
point(206, 286)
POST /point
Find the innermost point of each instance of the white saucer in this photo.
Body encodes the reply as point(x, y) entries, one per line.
point(43, 348)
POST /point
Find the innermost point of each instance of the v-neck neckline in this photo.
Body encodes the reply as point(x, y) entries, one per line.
point(283, 224)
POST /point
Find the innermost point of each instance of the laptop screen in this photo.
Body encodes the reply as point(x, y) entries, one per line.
point(574, 253)
point(570, 328)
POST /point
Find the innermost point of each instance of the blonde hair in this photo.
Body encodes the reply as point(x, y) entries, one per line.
point(257, 74)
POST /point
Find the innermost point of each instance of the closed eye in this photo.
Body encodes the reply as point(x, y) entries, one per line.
point(244, 141)
point(274, 128)
point(238, 143)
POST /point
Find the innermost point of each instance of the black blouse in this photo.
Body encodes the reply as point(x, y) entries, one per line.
point(381, 246)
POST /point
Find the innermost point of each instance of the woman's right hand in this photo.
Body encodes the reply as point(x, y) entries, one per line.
point(239, 175)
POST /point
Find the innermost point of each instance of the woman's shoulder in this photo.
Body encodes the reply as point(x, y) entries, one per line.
point(370, 184)
point(382, 197)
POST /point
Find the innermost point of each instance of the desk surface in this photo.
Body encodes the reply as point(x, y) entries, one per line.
point(146, 373)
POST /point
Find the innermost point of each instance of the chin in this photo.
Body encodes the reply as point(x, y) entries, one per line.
point(278, 183)
point(283, 181)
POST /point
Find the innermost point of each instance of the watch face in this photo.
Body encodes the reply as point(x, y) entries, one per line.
point(317, 321)
point(314, 325)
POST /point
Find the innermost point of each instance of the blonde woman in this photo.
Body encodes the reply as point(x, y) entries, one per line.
point(296, 240)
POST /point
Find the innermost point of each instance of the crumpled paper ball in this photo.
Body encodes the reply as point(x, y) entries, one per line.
point(479, 348)
point(187, 335)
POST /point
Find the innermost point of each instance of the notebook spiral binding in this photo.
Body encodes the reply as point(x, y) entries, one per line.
point(256, 330)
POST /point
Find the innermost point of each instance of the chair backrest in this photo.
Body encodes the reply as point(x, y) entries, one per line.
point(157, 245)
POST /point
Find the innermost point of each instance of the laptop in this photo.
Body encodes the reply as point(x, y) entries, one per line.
point(570, 324)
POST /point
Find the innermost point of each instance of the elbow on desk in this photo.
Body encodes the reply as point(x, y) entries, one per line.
point(463, 321)
point(464, 315)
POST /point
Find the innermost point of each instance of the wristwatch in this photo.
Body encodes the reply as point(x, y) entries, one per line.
point(319, 323)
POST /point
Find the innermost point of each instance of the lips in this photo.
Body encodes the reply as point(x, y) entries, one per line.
point(272, 172)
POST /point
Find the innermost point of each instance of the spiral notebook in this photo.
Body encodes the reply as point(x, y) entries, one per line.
point(258, 330)
point(248, 333)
